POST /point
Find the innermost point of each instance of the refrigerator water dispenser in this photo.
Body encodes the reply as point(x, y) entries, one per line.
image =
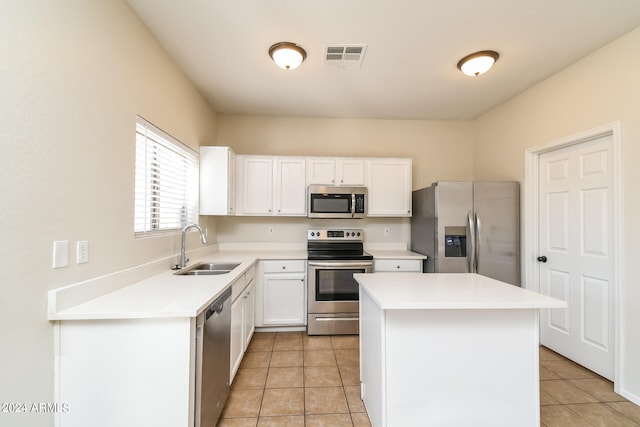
point(455, 242)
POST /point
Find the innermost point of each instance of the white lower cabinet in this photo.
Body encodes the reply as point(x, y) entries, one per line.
point(242, 319)
point(248, 314)
point(281, 293)
point(236, 347)
point(397, 265)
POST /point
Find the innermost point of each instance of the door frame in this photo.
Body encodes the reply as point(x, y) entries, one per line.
point(531, 223)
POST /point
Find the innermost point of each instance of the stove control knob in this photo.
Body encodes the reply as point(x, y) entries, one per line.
point(358, 234)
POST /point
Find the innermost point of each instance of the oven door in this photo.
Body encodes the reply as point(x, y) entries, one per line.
point(331, 286)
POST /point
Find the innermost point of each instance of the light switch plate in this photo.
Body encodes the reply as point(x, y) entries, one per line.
point(60, 253)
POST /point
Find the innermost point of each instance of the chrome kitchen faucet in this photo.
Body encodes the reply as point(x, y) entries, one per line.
point(183, 257)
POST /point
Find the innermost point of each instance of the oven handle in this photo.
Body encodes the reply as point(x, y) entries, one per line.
point(341, 264)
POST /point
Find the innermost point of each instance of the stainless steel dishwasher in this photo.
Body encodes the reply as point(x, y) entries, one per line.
point(212, 375)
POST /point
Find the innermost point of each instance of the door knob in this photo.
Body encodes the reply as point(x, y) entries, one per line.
point(542, 258)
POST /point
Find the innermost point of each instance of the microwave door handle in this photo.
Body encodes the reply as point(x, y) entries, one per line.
point(353, 205)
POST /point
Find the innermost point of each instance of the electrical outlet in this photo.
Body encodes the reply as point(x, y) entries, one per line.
point(270, 231)
point(386, 232)
point(82, 251)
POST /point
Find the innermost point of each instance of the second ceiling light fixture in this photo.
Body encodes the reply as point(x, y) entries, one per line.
point(287, 55)
point(478, 62)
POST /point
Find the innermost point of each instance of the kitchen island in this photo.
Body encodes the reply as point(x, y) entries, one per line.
point(449, 350)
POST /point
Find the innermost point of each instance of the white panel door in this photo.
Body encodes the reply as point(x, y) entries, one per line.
point(576, 252)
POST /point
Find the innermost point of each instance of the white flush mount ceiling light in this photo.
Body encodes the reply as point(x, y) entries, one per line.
point(287, 55)
point(478, 62)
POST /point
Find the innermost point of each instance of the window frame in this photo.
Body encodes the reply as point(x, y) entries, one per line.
point(166, 182)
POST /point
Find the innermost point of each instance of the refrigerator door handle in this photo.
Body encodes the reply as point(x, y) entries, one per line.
point(477, 244)
point(471, 252)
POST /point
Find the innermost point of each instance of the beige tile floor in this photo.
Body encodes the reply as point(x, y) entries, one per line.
point(572, 396)
point(291, 379)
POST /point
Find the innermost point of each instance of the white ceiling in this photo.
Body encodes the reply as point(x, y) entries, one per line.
point(409, 69)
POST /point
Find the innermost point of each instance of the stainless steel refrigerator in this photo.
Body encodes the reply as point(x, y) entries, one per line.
point(469, 227)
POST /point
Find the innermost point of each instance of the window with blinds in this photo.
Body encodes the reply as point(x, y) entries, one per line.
point(166, 182)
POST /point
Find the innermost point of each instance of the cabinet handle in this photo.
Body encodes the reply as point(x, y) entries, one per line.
point(397, 266)
point(284, 267)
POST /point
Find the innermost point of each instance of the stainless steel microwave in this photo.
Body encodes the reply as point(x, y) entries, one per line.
point(337, 202)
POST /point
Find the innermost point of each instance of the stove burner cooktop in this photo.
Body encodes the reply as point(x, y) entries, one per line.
point(336, 244)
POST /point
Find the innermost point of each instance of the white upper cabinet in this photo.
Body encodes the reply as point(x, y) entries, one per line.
point(269, 185)
point(336, 171)
point(277, 185)
point(389, 187)
point(217, 181)
point(255, 185)
point(290, 189)
point(321, 171)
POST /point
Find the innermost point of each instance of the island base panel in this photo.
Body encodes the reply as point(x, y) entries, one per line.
point(450, 367)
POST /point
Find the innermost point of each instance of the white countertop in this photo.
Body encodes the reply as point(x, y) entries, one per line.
point(395, 254)
point(415, 291)
point(166, 294)
point(169, 295)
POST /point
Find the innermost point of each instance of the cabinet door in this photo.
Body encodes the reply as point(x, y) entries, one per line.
point(284, 299)
point(257, 185)
point(350, 172)
point(321, 171)
point(248, 313)
point(236, 347)
point(389, 187)
point(217, 188)
point(290, 187)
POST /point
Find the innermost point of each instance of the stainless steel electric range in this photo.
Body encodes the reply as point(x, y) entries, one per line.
point(334, 255)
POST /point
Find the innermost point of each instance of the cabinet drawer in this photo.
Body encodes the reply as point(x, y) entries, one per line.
point(250, 274)
point(284, 266)
point(238, 286)
point(404, 265)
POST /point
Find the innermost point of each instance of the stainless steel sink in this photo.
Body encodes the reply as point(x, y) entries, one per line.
point(208, 269)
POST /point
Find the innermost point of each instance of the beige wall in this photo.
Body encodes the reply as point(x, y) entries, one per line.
point(441, 150)
point(73, 76)
point(597, 90)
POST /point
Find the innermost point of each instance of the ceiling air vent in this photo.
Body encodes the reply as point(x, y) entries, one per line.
point(344, 55)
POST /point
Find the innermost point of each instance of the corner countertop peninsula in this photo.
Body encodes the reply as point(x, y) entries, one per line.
point(449, 349)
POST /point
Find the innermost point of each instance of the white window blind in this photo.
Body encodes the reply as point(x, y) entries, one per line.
point(166, 182)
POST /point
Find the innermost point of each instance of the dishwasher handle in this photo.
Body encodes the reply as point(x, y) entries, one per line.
point(217, 306)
